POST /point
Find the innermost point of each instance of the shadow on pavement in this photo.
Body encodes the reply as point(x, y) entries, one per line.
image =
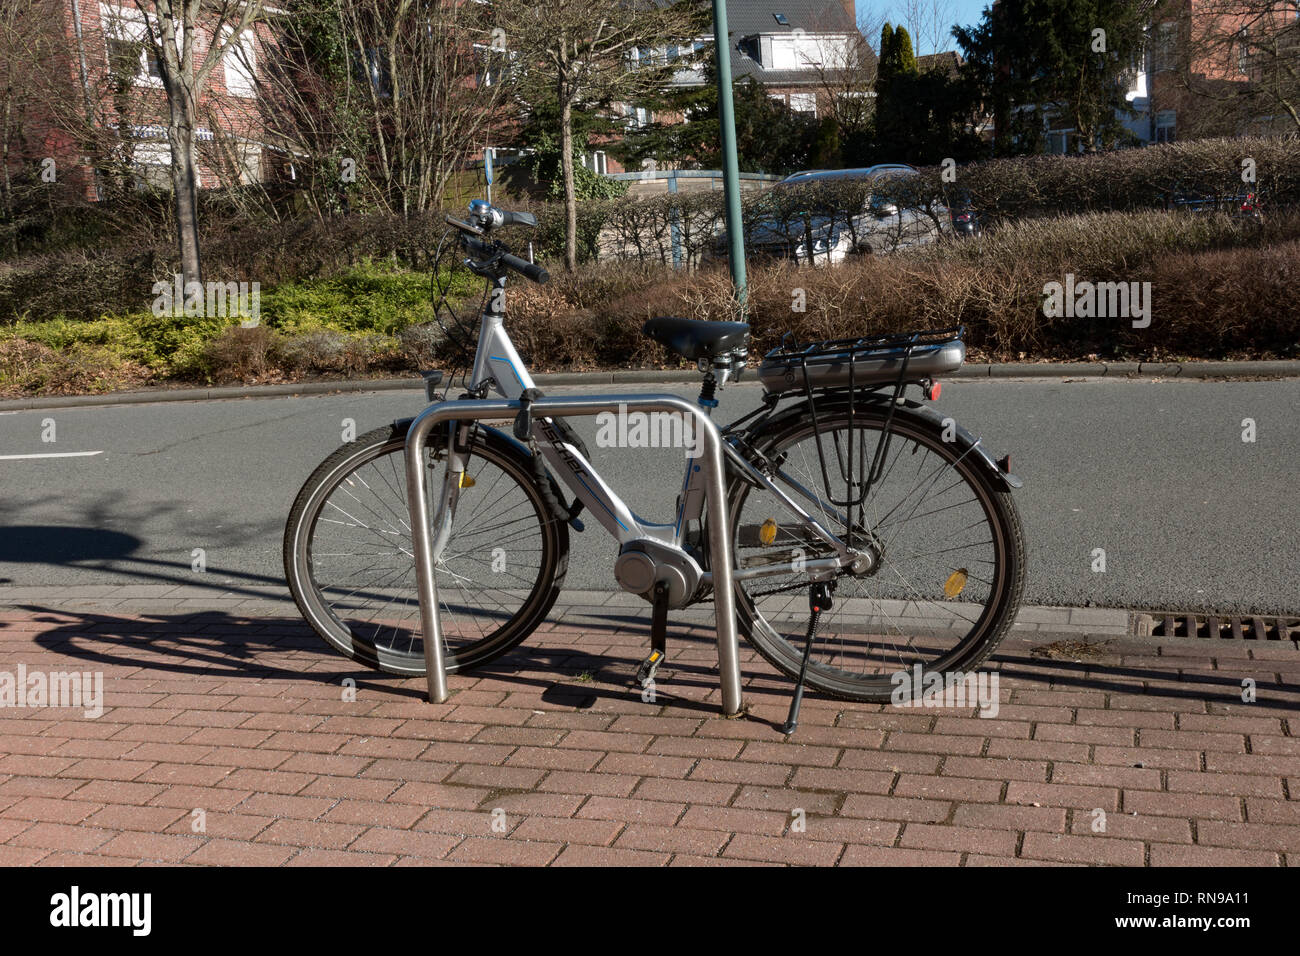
point(222, 644)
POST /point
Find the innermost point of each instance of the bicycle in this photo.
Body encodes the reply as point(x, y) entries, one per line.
point(894, 521)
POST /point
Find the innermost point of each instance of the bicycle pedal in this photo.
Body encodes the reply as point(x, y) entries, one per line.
point(649, 667)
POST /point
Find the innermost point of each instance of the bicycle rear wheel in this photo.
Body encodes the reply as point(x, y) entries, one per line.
point(349, 558)
point(946, 542)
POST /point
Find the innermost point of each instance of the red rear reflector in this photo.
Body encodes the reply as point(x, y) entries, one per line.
point(932, 391)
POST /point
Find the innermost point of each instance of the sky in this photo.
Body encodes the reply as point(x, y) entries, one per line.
point(965, 12)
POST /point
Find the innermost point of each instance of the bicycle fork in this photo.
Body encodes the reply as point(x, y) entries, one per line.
point(453, 481)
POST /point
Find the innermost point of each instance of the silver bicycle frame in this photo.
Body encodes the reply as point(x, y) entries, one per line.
point(497, 364)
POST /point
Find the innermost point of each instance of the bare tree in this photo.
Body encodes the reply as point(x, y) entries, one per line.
point(417, 90)
point(929, 22)
point(593, 53)
point(846, 80)
point(1236, 62)
point(173, 29)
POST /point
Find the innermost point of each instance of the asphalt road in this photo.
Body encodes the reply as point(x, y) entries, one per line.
point(1155, 473)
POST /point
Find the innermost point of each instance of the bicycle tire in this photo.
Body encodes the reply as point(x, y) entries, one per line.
point(387, 446)
point(785, 651)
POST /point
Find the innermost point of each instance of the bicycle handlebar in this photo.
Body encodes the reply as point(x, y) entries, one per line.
point(494, 251)
point(529, 270)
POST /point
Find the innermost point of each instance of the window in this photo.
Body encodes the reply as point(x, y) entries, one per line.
point(129, 50)
point(1166, 124)
point(249, 157)
point(152, 162)
point(596, 161)
point(240, 62)
point(804, 102)
point(1243, 50)
point(1162, 54)
point(782, 19)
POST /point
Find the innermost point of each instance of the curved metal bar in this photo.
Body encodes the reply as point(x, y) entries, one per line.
point(724, 602)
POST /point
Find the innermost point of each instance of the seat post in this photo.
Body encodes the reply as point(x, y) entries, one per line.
point(708, 390)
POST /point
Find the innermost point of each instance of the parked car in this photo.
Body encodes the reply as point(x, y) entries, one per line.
point(1246, 204)
point(821, 235)
point(965, 221)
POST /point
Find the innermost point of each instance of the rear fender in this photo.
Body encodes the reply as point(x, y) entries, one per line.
point(966, 443)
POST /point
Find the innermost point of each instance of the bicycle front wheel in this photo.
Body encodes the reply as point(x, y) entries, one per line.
point(350, 562)
point(942, 542)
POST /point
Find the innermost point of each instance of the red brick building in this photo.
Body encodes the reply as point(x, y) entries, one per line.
point(97, 107)
point(1216, 65)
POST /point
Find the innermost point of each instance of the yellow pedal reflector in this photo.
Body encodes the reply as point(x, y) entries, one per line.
point(956, 581)
point(767, 533)
point(466, 481)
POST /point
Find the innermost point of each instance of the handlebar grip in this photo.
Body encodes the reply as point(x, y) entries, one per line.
point(530, 270)
point(518, 218)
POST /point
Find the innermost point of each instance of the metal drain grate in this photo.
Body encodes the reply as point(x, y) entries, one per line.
point(1217, 626)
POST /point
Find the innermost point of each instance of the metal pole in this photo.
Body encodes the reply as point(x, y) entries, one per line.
point(724, 605)
point(730, 162)
point(674, 223)
point(417, 502)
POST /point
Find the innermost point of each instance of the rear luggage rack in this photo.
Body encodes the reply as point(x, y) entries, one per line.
point(866, 362)
point(838, 369)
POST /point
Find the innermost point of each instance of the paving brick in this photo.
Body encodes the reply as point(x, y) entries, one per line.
point(305, 833)
point(759, 822)
point(570, 831)
point(630, 811)
point(407, 842)
point(893, 856)
point(793, 849)
point(150, 819)
point(51, 810)
point(374, 814)
point(165, 847)
point(1058, 795)
point(63, 836)
point(1168, 854)
point(239, 853)
point(996, 816)
point(1249, 836)
point(1182, 805)
point(1082, 849)
point(948, 788)
point(517, 853)
point(691, 791)
point(927, 836)
point(850, 781)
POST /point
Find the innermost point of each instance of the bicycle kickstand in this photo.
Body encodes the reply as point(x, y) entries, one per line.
point(819, 600)
point(658, 637)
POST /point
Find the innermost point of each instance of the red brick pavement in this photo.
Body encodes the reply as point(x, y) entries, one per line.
point(230, 740)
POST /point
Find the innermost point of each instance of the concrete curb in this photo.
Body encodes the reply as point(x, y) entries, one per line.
point(1186, 370)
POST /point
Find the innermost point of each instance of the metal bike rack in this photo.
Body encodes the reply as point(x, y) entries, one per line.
point(480, 409)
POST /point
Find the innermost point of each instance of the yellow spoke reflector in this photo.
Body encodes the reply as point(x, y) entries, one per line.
point(767, 533)
point(956, 581)
point(466, 481)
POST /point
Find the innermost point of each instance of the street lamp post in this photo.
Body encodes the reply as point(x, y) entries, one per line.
point(730, 163)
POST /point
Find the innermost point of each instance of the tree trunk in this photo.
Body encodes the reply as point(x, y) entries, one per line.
point(180, 136)
point(566, 170)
